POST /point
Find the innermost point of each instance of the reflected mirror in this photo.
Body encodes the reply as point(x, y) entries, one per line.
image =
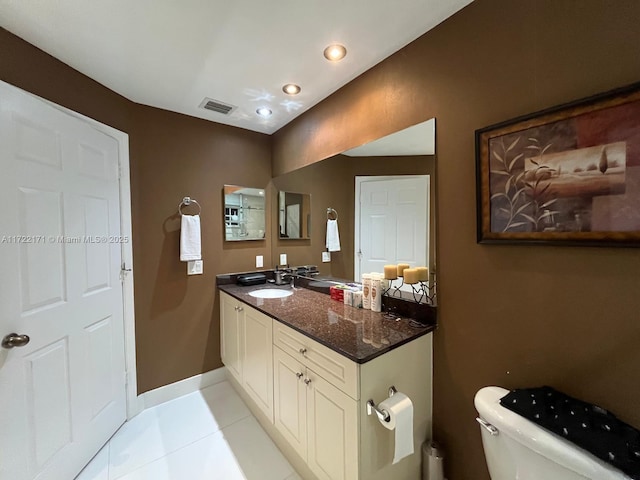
point(332, 183)
point(244, 213)
point(294, 215)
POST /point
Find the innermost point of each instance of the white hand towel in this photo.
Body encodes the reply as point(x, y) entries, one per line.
point(190, 243)
point(333, 237)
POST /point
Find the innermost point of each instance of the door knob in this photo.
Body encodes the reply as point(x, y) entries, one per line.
point(15, 340)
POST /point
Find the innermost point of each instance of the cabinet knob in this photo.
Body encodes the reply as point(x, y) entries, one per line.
point(303, 351)
point(307, 381)
point(299, 375)
point(240, 309)
point(236, 308)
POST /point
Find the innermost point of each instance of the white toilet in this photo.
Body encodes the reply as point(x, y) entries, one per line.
point(516, 448)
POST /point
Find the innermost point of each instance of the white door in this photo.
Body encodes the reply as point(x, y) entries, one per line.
point(62, 395)
point(392, 224)
point(293, 221)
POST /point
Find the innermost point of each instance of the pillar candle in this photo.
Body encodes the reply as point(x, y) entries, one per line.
point(410, 275)
point(423, 274)
point(402, 267)
point(390, 272)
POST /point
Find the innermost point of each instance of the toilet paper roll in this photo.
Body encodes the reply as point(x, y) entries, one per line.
point(400, 410)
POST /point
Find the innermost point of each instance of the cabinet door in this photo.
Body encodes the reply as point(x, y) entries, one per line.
point(257, 367)
point(231, 332)
point(332, 420)
point(290, 400)
point(333, 367)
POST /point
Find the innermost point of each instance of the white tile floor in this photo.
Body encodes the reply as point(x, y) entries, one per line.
point(206, 435)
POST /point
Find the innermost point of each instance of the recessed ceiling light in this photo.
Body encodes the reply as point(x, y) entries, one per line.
point(291, 89)
point(264, 112)
point(335, 52)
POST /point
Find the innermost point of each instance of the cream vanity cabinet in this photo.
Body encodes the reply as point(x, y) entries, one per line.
point(315, 415)
point(315, 398)
point(247, 350)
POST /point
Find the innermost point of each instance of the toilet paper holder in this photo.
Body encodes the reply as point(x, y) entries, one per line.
point(382, 414)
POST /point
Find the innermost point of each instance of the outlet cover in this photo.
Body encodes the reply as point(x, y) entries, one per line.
point(283, 259)
point(326, 257)
point(195, 267)
point(259, 261)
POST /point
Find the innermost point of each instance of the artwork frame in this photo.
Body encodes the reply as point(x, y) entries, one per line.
point(566, 175)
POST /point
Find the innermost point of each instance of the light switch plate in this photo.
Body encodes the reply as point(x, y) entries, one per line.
point(283, 259)
point(326, 257)
point(259, 261)
point(195, 267)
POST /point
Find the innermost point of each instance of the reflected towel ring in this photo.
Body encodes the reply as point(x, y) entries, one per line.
point(186, 201)
point(331, 211)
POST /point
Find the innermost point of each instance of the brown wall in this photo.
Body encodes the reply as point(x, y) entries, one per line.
point(25, 66)
point(171, 156)
point(177, 316)
point(331, 183)
point(511, 316)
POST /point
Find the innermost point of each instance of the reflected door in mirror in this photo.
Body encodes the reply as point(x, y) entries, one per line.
point(294, 215)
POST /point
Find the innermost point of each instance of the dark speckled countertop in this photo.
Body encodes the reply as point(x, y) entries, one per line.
point(358, 334)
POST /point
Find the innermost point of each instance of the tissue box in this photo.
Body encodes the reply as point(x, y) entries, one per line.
point(337, 293)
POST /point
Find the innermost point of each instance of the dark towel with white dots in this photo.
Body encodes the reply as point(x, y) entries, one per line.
point(588, 426)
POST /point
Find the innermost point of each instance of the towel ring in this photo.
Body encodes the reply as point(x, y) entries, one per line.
point(186, 201)
point(331, 211)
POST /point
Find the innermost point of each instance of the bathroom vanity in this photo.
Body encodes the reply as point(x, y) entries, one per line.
point(306, 366)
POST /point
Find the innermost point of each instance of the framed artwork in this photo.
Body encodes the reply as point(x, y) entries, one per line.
point(568, 175)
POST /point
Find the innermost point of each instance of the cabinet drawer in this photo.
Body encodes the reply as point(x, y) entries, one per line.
point(333, 367)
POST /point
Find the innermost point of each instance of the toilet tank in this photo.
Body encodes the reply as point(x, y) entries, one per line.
point(524, 451)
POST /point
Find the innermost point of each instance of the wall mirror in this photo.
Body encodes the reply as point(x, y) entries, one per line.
point(244, 213)
point(332, 183)
point(294, 215)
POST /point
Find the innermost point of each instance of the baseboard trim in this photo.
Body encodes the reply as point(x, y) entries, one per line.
point(183, 387)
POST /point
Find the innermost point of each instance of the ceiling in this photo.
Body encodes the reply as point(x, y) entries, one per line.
point(172, 54)
point(419, 139)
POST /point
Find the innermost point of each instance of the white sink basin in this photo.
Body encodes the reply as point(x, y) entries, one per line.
point(270, 293)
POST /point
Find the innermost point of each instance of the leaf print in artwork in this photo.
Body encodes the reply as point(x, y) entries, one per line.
point(523, 195)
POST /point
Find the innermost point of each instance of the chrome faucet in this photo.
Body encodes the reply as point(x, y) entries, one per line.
point(282, 275)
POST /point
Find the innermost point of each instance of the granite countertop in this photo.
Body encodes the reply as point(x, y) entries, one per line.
point(358, 334)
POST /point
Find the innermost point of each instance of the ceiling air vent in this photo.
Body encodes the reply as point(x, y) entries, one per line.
point(217, 106)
